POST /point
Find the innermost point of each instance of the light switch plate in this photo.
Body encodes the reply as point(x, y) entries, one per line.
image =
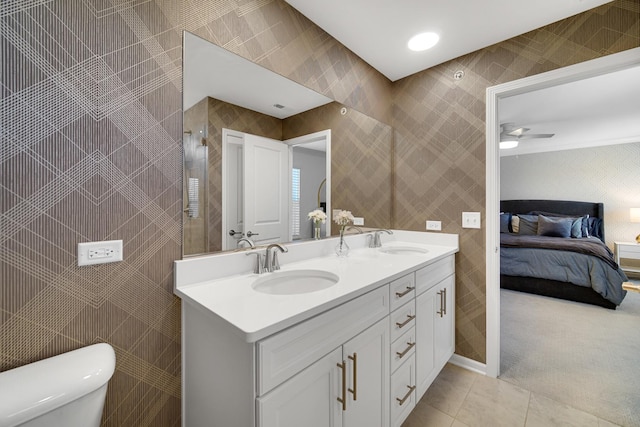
point(91, 253)
point(470, 219)
point(358, 220)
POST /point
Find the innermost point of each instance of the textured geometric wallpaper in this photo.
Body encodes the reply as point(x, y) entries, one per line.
point(91, 127)
point(609, 174)
point(440, 137)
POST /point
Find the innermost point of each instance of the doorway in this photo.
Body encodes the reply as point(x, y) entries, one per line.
point(599, 66)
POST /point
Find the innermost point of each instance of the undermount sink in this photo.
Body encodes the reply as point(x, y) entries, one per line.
point(402, 250)
point(295, 282)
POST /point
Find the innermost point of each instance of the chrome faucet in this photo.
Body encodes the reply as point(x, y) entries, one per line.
point(246, 240)
point(358, 229)
point(259, 266)
point(271, 257)
point(375, 241)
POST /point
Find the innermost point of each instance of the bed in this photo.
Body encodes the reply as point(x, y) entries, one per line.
point(537, 256)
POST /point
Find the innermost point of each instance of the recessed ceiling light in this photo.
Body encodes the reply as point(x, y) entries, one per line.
point(505, 145)
point(423, 41)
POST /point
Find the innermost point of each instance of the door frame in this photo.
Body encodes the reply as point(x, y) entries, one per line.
point(316, 137)
point(595, 67)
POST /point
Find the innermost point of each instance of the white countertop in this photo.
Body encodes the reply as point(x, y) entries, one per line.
point(256, 315)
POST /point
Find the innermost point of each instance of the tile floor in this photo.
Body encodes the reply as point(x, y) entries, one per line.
point(461, 398)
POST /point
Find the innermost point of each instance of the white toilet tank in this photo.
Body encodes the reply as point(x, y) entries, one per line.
point(63, 391)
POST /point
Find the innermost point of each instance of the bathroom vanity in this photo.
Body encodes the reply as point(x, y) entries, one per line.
point(358, 348)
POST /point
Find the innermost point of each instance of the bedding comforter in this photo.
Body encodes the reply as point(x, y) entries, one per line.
point(583, 262)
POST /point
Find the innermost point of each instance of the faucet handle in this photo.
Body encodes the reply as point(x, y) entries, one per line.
point(259, 267)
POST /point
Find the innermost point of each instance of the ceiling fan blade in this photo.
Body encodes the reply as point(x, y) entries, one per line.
point(536, 136)
point(517, 132)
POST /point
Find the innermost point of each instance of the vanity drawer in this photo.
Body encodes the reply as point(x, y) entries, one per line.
point(283, 355)
point(428, 276)
point(402, 290)
point(403, 392)
point(403, 348)
point(402, 319)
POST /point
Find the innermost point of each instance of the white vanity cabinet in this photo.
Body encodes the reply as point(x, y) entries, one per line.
point(435, 320)
point(359, 354)
point(348, 387)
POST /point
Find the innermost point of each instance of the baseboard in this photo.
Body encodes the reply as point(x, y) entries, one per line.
point(469, 364)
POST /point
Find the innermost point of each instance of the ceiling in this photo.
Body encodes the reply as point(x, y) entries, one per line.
point(378, 30)
point(602, 110)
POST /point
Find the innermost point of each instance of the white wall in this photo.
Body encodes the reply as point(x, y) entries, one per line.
point(608, 174)
point(312, 165)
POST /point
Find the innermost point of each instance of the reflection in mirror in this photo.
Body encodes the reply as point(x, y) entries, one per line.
point(237, 199)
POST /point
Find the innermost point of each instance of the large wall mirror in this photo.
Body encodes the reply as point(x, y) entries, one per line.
point(261, 152)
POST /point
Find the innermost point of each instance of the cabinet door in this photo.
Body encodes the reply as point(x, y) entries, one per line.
point(427, 305)
point(367, 359)
point(445, 322)
point(308, 399)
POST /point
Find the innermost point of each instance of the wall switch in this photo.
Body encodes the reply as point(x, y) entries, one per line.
point(470, 219)
point(358, 220)
point(91, 253)
point(434, 225)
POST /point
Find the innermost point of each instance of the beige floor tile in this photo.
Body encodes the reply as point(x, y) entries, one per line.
point(545, 412)
point(605, 423)
point(449, 389)
point(424, 415)
point(457, 423)
point(493, 402)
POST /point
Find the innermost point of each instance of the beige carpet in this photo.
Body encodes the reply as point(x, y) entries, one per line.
point(584, 356)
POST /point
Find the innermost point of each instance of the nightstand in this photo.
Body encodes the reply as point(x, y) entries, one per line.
point(627, 250)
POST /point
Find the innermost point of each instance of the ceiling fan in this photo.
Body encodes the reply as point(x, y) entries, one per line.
point(510, 135)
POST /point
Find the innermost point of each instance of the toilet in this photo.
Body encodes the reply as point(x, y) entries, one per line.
point(67, 390)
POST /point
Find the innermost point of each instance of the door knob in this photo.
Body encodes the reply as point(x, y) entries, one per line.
point(249, 234)
point(233, 233)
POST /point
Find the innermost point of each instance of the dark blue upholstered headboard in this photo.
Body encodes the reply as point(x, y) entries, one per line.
point(565, 207)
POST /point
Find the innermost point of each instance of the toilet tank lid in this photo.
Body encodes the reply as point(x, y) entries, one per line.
point(39, 387)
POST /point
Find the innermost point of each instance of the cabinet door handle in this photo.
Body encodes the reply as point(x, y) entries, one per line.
point(343, 400)
point(401, 294)
point(440, 312)
point(410, 317)
point(406, 350)
point(406, 396)
point(444, 306)
point(354, 390)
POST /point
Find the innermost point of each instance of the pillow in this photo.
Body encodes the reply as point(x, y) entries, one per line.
point(579, 227)
point(528, 225)
point(505, 222)
point(515, 224)
point(554, 227)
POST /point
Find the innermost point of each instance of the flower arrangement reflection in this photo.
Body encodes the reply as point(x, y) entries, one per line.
point(318, 217)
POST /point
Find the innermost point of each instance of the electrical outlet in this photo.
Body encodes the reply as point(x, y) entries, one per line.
point(470, 219)
point(434, 225)
point(91, 253)
point(358, 220)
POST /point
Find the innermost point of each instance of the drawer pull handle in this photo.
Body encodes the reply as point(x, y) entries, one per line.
point(410, 317)
point(406, 396)
point(401, 294)
point(354, 390)
point(406, 350)
point(343, 400)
